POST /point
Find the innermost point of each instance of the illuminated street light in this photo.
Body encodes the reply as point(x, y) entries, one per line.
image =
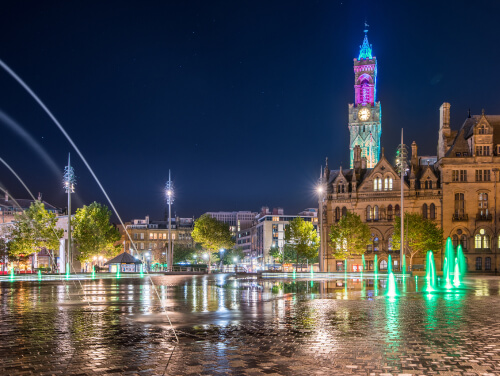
point(169, 190)
point(69, 182)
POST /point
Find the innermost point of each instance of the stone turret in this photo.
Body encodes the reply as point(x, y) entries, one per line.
point(444, 130)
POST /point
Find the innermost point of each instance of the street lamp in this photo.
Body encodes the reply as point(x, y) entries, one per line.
point(321, 197)
point(170, 200)
point(69, 182)
point(221, 251)
point(235, 260)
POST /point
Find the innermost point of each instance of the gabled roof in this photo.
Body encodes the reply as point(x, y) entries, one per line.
point(123, 258)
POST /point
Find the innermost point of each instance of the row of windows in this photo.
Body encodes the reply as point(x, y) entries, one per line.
point(481, 240)
point(156, 236)
point(377, 184)
point(482, 204)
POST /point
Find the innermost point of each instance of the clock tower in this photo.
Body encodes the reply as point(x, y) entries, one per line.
point(365, 114)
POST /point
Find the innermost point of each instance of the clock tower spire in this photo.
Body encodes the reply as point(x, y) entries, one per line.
point(365, 114)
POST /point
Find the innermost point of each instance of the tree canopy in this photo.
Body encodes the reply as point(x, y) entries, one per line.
point(183, 253)
point(34, 229)
point(421, 235)
point(93, 233)
point(230, 254)
point(302, 238)
point(212, 235)
point(349, 236)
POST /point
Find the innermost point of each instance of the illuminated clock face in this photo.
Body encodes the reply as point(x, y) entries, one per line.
point(364, 114)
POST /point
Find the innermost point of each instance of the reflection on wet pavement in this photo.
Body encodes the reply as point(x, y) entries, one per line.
point(248, 326)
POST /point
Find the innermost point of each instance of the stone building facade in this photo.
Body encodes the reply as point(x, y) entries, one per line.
point(150, 237)
point(469, 162)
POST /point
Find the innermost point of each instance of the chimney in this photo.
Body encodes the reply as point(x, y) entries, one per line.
point(363, 163)
point(444, 119)
point(327, 171)
point(414, 156)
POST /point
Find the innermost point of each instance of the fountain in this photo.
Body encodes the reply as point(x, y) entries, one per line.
point(364, 263)
point(375, 265)
point(312, 272)
point(67, 270)
point(450, 255)
point(391, 280)
point(141, 274)
point(11, 273)
point(446, 272)
point(293, 274)
point(345, 266)
point(462, 264)
point(93, 271)
point(403, 266)
point(456, 278)
point(39, 275)
point(431, 272)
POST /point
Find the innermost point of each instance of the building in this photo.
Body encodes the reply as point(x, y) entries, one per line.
point(237, 220)
point(150, 237)
point(10, 206)
point(269, 231)
point(365, 114)
point(469, 162)
point(371, 188)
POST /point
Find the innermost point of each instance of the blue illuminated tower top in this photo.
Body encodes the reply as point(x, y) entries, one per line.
point(365, 50)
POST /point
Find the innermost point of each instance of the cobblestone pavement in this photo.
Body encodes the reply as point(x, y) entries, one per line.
point(247, 327)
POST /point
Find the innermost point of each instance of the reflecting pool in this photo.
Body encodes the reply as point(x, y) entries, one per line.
point(235, 325)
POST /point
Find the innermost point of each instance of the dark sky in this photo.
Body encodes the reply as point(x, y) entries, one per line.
point(242, 100)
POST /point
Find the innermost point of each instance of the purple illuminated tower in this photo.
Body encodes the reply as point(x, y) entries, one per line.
point(365, 115)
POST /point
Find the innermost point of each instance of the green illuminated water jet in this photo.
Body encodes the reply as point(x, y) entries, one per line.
point(403, 266)
point(12, 273)
point(446, 272)
point(39, 274)
point(430, 272)
point(375, 265)
point(364, 263)
point(67, 270)
point(142, 272)
point(391, 280)
point(312, 272)
point(462, 264)
point(93, 271)
point(456, 278)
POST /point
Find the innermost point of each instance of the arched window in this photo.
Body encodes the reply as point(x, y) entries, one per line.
point(389, 213)
point(482, 240)
point(487, 263)
point(344, 211)
point(388, 184)
point(479, 263)
point(379, 184)
point(389, 244)
point(424, 211)
point(483, 205)
point(463, 242)
point(454, 240)
point(397, 211)
point(481, 129)
point(375, 244)
point(337, 214)
point(433, 211)
point(369, 213)
point(375, 213)
point(383, 265)
point(375, 184)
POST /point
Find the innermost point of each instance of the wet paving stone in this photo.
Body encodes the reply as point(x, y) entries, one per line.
point(230, 326)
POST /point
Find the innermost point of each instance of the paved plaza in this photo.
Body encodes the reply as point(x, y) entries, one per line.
point(244, 326)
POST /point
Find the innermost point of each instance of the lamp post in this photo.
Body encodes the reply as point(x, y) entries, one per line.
point(221, 251)
point(170, 201)
point(235, 260)
point(321, 197)
point(69, 182)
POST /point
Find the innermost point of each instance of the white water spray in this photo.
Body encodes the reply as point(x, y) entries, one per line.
point(56, 122)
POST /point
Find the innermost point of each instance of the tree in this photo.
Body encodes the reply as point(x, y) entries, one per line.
point(302, 238)
point(230, 254)
point(349, 236)
point(212, 235)
point(286, 254)
point(420, 235)
point(34, 229)
point(93, 234)
point(183, 254)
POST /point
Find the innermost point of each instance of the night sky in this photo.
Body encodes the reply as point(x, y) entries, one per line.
point(242, 100)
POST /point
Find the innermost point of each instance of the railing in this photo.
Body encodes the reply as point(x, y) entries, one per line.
point(483, 217)
point(460, 217)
